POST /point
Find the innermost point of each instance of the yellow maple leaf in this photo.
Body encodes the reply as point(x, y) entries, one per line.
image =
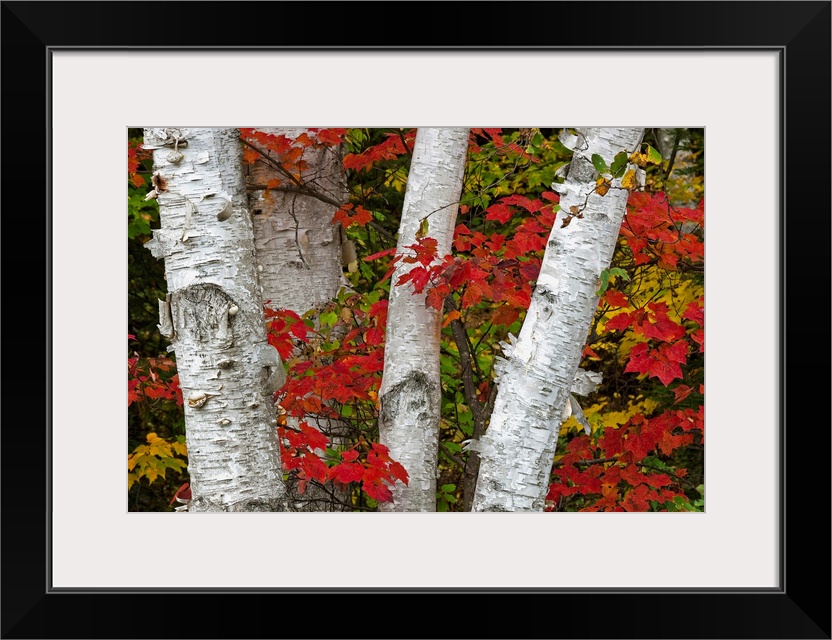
point(629, 179)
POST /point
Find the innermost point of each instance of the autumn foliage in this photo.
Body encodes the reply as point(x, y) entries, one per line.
point(646, 447)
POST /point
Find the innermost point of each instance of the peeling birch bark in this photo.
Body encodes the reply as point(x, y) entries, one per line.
point(410, 394)
point(299, 249)
point(214, 316)
point(535, 378)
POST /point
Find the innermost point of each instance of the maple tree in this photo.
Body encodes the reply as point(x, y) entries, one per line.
point(644, 446)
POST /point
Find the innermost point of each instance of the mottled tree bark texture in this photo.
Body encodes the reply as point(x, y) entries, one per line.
point(213, 317)
point(537, 373)
point(410, 394)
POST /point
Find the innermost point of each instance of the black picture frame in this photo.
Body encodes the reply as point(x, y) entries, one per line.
point(799, 608)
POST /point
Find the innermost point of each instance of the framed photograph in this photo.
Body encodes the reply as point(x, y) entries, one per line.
point(754, 76)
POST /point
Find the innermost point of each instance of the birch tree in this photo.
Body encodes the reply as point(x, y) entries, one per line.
point(213, 317)
point(300, 254)
point(410, 393)
point(537, 374)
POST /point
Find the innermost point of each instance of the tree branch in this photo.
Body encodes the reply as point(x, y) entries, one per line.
point(404, 143)
point(455, 458)
point(300, 186)
point(672, 156)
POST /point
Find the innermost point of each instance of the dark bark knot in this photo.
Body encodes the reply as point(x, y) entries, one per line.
point(416, 394)
point(546, 294)
point(205, 313)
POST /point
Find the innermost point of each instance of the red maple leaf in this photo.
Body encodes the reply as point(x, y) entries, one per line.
point(330, 136)
point(612, 442)
point(616, 299)
point(377, 491)
point(681, 392)
point(360, 217)
point(589, 352)
point(505, 315)
point(381, 254)
point(619, 322)
point(499, 211)
point(639, 445)
point(315, 438)
point(346, 472)
point(695, 311)
point(662, 363)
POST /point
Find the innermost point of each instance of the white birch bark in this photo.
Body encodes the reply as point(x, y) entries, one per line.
point(410, 394)
point(300, 251)
point(517, 451)
point(214, 319)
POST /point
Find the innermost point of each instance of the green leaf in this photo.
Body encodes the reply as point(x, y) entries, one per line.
point(656, 462)
point(442, 506)
point(599, 163)
point(654, 156)
point(616, 271)
point(453, 447)
point(448, 488)
point(366, 270)
point(619, 164)
point(423, 229)
point(329, 318)
point(138, 227)
point(605, 282)
point(174, 463)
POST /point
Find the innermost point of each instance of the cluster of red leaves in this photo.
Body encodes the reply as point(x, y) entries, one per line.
point(282, 327)
point(135, 154)
point(151, 379)
point(396, 143)
point(654, 230)
point(288, 151)
point(375, 471)
point(371, 466)
point(617, 478)
point(498, 269)
point(652, 323)
point(494, 136)
point(349, 214)
point(612, 473)
point(651, 232)
point(319, 381)
point(352, 372)
point(388, 149)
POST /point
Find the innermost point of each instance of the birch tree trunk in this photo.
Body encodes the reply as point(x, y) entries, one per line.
point(213, 317)
point(300, 251)
point(517, 451)
point(410, 393)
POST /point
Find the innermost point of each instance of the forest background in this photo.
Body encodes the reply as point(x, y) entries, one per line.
point(640, 446)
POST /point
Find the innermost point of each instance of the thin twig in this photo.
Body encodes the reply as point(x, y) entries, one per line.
point(456, 459)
